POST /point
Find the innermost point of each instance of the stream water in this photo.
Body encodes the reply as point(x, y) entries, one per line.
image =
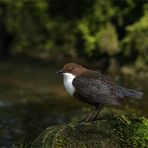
point(32, 98)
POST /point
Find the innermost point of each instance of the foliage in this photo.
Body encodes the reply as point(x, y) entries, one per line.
point(105, 40)
point(88, 29)
point(137, 39)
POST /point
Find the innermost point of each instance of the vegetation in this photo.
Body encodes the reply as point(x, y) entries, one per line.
point(87, 29)
point(116, 131)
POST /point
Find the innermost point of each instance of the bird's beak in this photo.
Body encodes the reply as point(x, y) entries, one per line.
point(60, 71)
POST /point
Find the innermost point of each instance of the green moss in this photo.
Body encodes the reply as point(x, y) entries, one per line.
point(131, 130)
point(46, 138)
point(83, 135)
point(114, 131)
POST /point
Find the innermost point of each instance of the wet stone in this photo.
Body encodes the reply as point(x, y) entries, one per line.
point(113, 131)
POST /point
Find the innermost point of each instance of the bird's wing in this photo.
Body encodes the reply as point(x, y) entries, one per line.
point(96, 89)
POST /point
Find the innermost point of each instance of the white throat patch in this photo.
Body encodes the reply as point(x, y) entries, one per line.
point(68, 78)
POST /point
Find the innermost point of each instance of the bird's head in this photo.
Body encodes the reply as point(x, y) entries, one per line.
point(72, 68)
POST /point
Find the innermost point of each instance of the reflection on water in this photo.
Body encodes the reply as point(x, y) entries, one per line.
point(32, 98)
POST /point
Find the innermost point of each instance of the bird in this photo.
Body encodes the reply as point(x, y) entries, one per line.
point(94, 88)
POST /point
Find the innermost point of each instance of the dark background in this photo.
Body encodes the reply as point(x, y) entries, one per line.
point(82, 30)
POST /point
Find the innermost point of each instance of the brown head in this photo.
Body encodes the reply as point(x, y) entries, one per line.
point(72, 68)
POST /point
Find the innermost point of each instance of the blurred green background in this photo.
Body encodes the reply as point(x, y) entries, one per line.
point(37, 37)
point(87, 29)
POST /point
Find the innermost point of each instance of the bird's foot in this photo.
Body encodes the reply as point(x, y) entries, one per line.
point(85, 120)
point(95, 118)
point(100, 118)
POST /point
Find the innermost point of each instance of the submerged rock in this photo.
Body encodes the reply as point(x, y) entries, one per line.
point(113, 131)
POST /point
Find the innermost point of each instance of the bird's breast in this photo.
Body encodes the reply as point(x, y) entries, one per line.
point(68, 79)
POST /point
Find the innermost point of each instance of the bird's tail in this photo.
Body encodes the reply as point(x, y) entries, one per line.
point(133, 93)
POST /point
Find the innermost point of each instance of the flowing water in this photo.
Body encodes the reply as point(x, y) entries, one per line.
point(32, 98)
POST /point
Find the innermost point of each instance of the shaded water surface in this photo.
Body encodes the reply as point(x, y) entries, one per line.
point(32, 98)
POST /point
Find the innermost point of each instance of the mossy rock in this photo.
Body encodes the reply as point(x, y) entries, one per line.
point(114, 131)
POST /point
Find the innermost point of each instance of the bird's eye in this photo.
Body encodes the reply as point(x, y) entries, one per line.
point(70, 69)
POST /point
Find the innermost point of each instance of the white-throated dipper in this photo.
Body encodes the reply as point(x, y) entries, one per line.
point(94, 88)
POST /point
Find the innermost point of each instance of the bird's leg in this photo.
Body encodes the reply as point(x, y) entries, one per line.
point(98, 109)
point(89, 118)
point(93, 115)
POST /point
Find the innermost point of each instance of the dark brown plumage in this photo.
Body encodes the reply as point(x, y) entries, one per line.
point(94, 88)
